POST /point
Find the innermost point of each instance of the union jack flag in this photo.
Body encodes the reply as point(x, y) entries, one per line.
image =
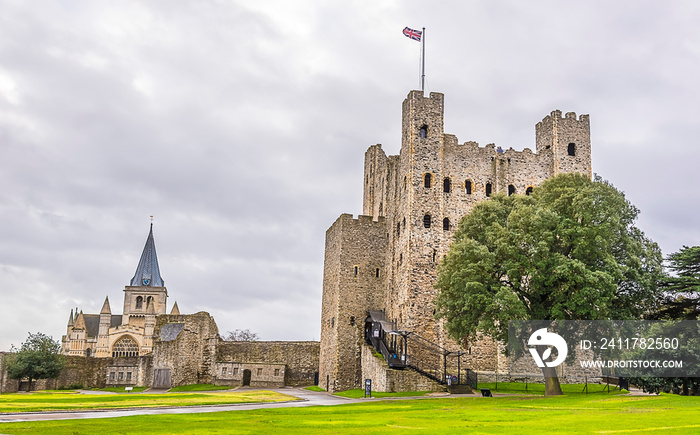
point(413, 34)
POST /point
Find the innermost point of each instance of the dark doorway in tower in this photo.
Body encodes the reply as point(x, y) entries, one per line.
point(246, 378)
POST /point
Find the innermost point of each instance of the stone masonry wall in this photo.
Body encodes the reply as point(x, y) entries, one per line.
point(389, 380)
point(191, 355)
point(87, 372)
point(297, 361)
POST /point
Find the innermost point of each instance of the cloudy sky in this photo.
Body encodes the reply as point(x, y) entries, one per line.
point(241, 127)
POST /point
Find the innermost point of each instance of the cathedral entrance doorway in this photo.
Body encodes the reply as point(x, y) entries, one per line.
point(246, 377)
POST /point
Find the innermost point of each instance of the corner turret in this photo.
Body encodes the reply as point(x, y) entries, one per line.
point(566, 142)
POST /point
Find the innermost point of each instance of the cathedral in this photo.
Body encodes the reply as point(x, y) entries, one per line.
point(128, 334)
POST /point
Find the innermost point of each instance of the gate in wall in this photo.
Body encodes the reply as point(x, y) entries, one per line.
point(161, 378)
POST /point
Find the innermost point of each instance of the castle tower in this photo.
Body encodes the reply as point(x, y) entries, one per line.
point(412, 204)
point(353, 280)
point(566, 141)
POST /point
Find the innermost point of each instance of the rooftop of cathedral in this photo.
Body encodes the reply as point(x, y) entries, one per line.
point(148, 273)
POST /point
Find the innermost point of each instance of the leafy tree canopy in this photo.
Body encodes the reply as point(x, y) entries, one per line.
point(568, 251)
point(681, 298)
point(39, 357)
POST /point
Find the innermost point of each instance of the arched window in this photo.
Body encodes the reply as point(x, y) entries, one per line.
point(488, 189)
point(423, 131)
point(511, 189)
point(572, 149)
point(446, 185)
point(468, 187)
point(139, 302)
point(149, 302)
point(125, 346)
point(88, 352)
point(426, 221)
point(446, 224)
point(528, 191)
point(428, 180)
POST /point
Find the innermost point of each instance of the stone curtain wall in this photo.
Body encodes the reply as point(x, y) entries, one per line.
point(298, 362)
point(87, 372)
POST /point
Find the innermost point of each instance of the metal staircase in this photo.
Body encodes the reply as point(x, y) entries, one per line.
point(425, 357)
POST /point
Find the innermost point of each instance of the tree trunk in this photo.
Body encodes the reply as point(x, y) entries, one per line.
point(29, 385)
point(551, 382)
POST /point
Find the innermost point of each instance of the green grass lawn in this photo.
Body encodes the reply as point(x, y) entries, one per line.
point(199, 387)
point(314, 388)
point(576, 413)
point(64, 400)
point(538, 389)
point(121, 389)
point(360, 393)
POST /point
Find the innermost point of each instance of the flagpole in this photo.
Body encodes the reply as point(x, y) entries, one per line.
point(422, 77)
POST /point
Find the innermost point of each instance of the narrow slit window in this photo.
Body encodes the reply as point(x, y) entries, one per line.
point(355, 270)
point(488, 189)
point(446, 185)
point(468, 187)
point(428, 180)
point(423, 131)
point(426, 221)
point(376, 272)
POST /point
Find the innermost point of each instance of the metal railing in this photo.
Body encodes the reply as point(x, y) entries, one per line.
point(426, 357)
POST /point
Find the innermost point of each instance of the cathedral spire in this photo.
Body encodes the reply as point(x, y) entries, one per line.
point(147, 273)
point(105, 307)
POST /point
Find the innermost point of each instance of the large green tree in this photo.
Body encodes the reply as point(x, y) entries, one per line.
point(569, 251)
point(39, 357)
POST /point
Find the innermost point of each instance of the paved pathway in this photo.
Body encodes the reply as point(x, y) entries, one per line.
point(309, 398)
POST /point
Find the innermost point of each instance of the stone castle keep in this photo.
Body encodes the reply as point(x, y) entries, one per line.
point(380, 269)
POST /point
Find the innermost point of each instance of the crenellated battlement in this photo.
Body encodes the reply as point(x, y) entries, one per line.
point(556, 115)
